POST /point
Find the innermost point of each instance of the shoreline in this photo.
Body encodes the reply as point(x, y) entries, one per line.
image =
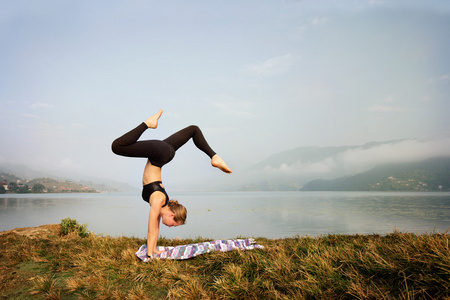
point(48, 229)
point(41, 261)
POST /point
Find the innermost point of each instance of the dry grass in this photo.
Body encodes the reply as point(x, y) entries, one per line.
point(395, 266)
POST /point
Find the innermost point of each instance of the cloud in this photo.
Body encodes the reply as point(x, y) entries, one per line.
point(231, 106)
point(67, 163)
point(298, 32)
point(402, 151)
point(442, 78)
point(319, 20)
point(321, 167)
point(363, 158)
point(389, 98)
point(30, 116)
point(37, 105)
point(273, 66)
point(387, 108)
point(77, 125)
point(325, 166)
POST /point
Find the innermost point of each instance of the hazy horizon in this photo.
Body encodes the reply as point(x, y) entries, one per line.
point(259, 78)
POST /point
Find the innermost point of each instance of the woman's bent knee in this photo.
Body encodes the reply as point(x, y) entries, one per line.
point(194, 128)
point(115, 147)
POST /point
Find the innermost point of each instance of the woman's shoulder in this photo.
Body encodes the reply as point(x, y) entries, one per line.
point(157, 198)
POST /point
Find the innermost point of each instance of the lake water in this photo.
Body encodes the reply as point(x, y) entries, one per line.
point(233, 214)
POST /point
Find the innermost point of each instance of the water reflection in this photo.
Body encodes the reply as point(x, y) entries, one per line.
point(317, 213)
point(228, 215)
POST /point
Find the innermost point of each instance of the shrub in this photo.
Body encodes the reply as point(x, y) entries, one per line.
point(71, 225)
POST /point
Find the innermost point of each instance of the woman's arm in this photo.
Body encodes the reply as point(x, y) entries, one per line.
point(157, 199)
point(153, 224)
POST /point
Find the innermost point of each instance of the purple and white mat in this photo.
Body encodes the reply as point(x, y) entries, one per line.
point(192, 250)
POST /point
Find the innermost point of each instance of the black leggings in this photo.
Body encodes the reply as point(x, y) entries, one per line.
point(159, 152)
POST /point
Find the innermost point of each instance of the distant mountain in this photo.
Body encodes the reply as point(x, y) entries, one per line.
point(293, 169)
point(102, 185)
point(22, 171)
point(429, 175)
point(308, 155)
point(14, 184)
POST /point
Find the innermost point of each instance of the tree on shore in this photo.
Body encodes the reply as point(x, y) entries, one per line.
point(38, 188)
point(13, 187)
point(23, 189)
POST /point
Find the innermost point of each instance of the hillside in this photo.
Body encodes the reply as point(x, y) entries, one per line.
point(24, 173)
point(429, 175)
point(13, 184)
point(319, 167)
point(311, 155)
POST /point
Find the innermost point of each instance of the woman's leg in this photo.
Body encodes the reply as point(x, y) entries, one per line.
point(161, 152)
point(158, 152)
point(181, 137)
point(127, 144)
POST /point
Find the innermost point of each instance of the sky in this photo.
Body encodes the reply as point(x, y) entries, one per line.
point(257, 76)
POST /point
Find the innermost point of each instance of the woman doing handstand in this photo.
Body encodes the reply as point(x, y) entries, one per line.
point(159, 153)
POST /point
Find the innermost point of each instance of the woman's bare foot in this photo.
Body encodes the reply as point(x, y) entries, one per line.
point(217, 161)
point(152, 122)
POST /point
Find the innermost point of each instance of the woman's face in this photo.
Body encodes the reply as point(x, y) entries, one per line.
point(168, 220)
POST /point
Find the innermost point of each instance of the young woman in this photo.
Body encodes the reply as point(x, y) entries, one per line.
point(159, 153)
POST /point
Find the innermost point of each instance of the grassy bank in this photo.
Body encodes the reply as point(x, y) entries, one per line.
point(44, 263)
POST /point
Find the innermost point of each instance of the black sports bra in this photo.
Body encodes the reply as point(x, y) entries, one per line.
point(149, 189)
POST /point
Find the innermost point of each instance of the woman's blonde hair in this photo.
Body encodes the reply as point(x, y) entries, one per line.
point(179, 210)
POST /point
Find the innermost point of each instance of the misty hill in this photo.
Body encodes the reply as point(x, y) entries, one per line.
point(25, 173)
point(293, 169)
point(429, 175)
point(16, 184)
point(313, 154)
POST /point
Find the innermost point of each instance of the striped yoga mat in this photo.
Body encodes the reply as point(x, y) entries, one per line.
point(192, 250)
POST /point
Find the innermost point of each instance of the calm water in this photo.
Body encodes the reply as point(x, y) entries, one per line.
point(229, 215)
